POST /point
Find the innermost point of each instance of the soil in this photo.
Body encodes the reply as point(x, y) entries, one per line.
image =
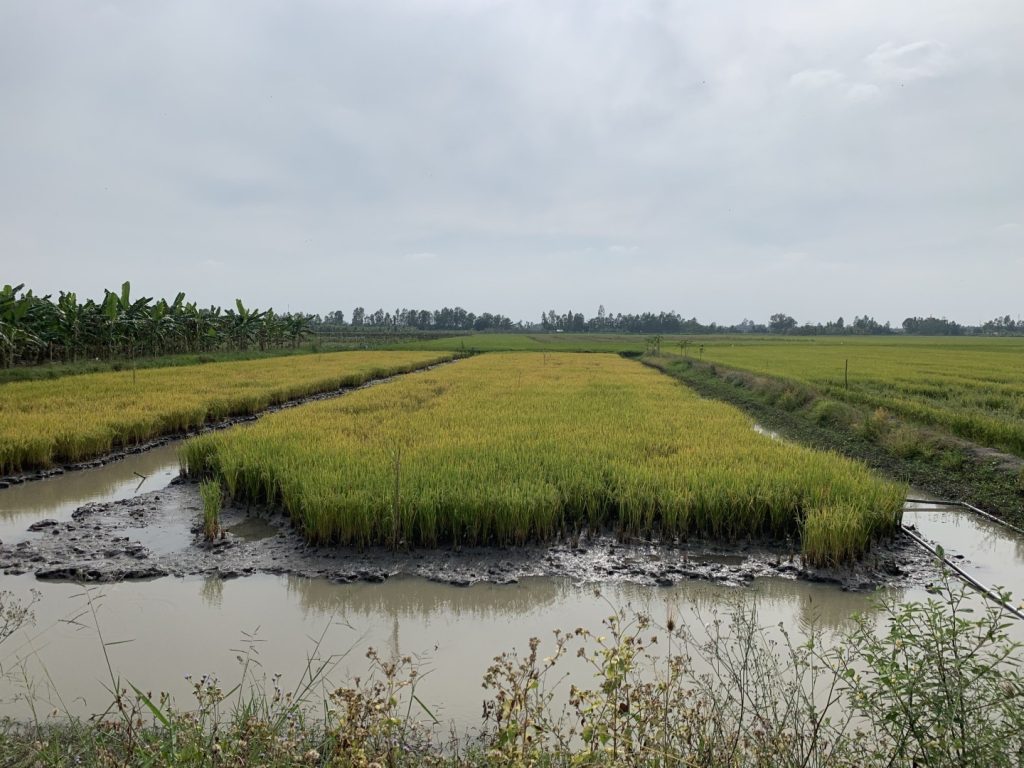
point(159, 534)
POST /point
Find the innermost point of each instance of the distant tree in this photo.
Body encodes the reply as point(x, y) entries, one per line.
point(931, 326)
point(358, 316)
point(781, 323)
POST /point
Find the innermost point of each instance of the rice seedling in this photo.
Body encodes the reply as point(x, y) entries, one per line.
point(507, 449)
point(210, 492)
point(71, 419)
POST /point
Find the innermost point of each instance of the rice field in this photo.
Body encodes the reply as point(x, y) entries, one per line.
point(971, 387)
point(512, 448)
point(74, 418)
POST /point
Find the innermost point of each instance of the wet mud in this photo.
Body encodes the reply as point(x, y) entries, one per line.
point(159, 534)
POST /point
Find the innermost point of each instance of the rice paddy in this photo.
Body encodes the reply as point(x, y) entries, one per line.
point(512, 448)
point(971, 387)
point(71, 419)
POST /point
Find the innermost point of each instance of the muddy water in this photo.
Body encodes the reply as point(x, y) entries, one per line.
point(990, 552)
point(57, 497)
point(159, 631)
point(176, 627)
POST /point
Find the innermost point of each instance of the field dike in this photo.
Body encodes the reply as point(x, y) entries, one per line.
point(924, 457)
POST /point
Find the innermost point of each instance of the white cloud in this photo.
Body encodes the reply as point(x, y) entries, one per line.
point(623, 250)
point(913, 61)
point(421, 256)
point(814, 79)
point(861, 92)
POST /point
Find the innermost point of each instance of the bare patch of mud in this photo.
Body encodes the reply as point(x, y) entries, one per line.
point(158, 534)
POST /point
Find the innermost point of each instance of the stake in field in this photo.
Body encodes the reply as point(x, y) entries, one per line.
point(79, 417)
point(512, 448)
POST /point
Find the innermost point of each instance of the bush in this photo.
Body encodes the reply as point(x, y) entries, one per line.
point(907, 442)
point(826, 412)
point(875, 426)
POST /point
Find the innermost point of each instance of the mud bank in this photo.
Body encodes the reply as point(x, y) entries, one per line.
point(158, 534)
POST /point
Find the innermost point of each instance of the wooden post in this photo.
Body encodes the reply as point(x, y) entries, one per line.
point(846, 374)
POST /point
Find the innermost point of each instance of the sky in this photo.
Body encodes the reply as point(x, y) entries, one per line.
point(726, 160)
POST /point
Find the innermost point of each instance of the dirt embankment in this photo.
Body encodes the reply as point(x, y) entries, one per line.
point(158, 534)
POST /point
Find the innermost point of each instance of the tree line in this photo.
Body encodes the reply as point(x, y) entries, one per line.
point(35, 329)
point(444, 319)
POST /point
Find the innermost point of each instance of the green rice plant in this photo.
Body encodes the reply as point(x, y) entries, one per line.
point(75, 418)
point(969, 387)
point(211, 494)
point(507, 449)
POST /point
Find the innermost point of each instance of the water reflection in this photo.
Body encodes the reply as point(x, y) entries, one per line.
point(173, 627)
point(994, 554)
point(57, 497)
point(804, 603)
point(212, 591)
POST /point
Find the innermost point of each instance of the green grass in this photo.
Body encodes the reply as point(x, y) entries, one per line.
point(970, 387)
point(537, 342)
point(513, 448)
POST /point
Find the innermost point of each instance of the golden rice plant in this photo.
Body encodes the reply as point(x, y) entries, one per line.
point(507, 449)
point(79, 417)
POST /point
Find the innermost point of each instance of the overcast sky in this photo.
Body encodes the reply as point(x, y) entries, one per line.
point(722, 158)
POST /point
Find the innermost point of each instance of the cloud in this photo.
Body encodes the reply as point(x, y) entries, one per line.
point(913, 61)
point(546, 154)
point(861, 92)
point(814, 79)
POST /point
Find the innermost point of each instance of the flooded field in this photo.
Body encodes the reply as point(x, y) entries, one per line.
point(169, 628)
point(990, 552)
point(57, 497)
point(162, 630)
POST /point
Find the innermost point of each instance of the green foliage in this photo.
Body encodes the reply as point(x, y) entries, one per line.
point(35, 329)
point(908, 442)
point(210, 492)
point(826, 412)
point(943, 688)
point(968, 387)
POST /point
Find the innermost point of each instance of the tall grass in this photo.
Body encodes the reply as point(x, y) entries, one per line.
point(507, 449)
point(76, 418)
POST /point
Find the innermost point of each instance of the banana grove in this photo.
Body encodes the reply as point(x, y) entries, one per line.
point(36, 329)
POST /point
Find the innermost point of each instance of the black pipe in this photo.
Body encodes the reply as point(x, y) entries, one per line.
point(965, 505)
point(986, 591)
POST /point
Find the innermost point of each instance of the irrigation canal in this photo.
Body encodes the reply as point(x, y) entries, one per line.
point(161, 630)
